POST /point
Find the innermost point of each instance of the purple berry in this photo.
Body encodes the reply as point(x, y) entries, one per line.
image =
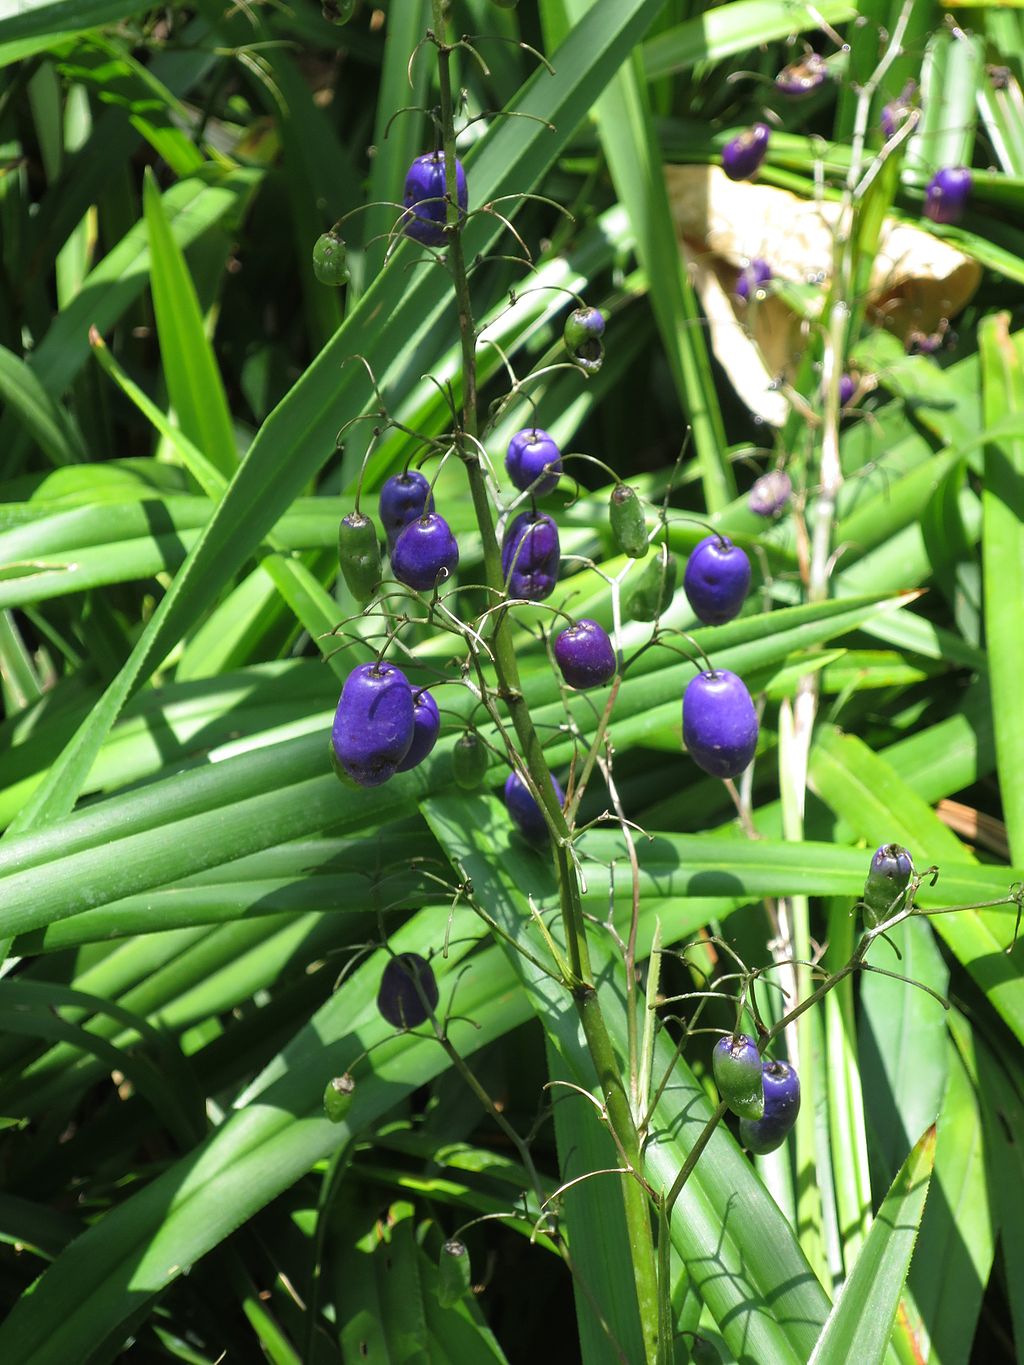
point(737, 1066)
point(585, 655)
point(716, 580)
point(757, 273)
point(373, 725)
point(425, 552)
point(524, 811)
point(426, 726)
point(530, 453)
point(771, 493)
point(947, 194)
point(847, 388)
point(781, 1106)
point(408, 991)
point(719, 723)
point(742, 155)
point(530, 555)
point(895, 113)
point(425, 192)
point(800, 78)
point(403, 498)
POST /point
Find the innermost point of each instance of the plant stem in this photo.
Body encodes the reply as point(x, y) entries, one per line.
point(595, 1029)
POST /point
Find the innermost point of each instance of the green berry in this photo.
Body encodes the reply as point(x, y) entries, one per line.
point(329, 263)
point(470, 759)
point(629, 529)
point(359, 556)
point(338, 1097)
point(737, 1068)
point(654, 589)
point(453, 1273)
point(888, 877)
point(338, 11)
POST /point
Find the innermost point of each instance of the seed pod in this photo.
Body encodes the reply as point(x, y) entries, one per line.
point(629, 528)
point(426, 726)
point(719, 723)
point(373, 724)
point(338, 1097)
point(359, 556)
point(470, 760)
point(408, 991)
point(737, 1067)
point(453, 1273)
point(330, 264)
point(651, 595)
point(888, 877)
point(525, 812)
point(781, 1106)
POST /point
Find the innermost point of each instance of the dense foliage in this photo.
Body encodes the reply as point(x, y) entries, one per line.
point(543, 1013)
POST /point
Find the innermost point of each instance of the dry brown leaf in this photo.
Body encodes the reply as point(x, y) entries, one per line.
point(917, 280)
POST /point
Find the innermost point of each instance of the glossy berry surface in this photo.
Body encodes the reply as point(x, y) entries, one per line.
point(403, 498)
point(719, 723)
point(530, 452)
point(770, 493)
point(737, 1067)
point(742, 155)
point(524, 811)
point(408, 991)
point(373, 725)
point(583, 325)
point(330, 264)
point(716, 580)
point(425, 553)
point(470, 760)
point(781, 1106)
point(359, 556)
point(530, 556)
point(888, 877)
point(756, 274)
point(800, 78)
point(425, 193)
point(426, 726)
point(947, 194)
point(585, 655)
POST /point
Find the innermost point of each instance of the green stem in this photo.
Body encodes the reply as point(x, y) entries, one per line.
point(595, 1029)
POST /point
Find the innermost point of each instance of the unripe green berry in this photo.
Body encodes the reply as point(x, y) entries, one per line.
point(655, 586)
point(888, 877)
point(359, 556)
point(470, 760)
point(738, 1075)
point(453, 1273)
point(338, 1097)
point(338, 11)
point(629, 529)
point(329, 263)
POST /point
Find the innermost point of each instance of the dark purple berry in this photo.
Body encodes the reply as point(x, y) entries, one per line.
point(947, 194)
point(526, 814)
point(716, 580)
point(750, 280)
point(530, 555)
point(426, 726)
point(408, 991)
point(533, 461)
point(737, 1067)
point(742, 155)
point(847, 388)
point(425, 552)
point(895, 113)
point(781, 1106)
point(373, 725)
point(585, 655)
point(771, 493)
point(425, 192)
point(800, 78)
point(888, 877)
point(403, 498)
point(719, 723)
